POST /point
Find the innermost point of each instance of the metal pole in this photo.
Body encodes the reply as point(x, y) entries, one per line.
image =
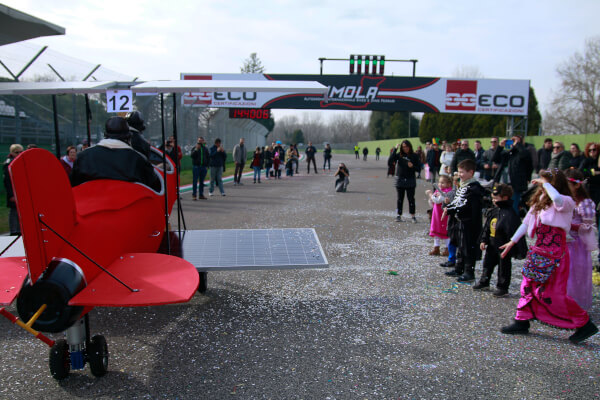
point(32, 60)
point(55, 115)
point(91, 72)
point(409, 113)
point(9, 71)
point(56, 72)
point(88, 119)
point(164, 156)
point(179, 210)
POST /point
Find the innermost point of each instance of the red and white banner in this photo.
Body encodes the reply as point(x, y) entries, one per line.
point(372, 92)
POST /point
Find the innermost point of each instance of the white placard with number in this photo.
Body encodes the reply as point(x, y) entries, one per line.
point(119, 101)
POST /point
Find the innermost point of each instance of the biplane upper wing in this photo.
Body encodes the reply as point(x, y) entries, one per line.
point(151, 279)
point(13, 271)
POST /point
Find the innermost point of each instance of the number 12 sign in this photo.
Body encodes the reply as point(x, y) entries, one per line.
point(119, 100)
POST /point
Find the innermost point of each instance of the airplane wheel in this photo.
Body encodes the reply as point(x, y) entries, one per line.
point(203, 282)
point(60, 362)
point(97, 354)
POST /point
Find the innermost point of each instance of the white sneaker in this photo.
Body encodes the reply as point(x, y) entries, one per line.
point(210, 193)
point(222, 194)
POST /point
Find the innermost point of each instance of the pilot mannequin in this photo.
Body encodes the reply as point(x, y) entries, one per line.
point(135, 120)
point(114, 158)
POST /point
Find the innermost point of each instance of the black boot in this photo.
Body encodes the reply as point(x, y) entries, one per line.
point(466, 277)
point(584, 332)
point(516, 328)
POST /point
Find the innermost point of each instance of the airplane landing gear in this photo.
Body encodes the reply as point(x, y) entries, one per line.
point(76, 350)
point(59, 361)
point(203, 281)
point(97, 355)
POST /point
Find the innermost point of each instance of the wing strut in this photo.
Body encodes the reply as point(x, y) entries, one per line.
point(85, 255)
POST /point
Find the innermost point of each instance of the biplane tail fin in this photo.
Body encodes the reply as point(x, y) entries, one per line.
point(45, 204)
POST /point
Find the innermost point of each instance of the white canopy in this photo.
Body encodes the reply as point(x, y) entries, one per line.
point(16, 26)
point(183, 86)
point(23, 88)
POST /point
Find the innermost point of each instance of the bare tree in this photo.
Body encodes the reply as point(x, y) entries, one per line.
point(575, 109)
point(314, 128)
point(349, 127)
point(252, 65)
point(467, 71)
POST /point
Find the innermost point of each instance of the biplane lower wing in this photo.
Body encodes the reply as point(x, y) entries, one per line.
point(13, 271)
point(150, 279)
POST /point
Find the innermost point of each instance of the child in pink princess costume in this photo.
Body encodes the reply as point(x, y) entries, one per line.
point(583, 232)
point(546, 270)
point(439, 225)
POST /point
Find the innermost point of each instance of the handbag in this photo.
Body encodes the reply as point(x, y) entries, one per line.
point(539, 267)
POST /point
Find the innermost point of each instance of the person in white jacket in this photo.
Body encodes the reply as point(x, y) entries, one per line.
point(446, 160)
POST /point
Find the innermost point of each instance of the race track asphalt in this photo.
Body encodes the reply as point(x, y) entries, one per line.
point(351, 331)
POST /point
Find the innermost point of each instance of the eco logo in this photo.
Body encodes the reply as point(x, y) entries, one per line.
point(461, 95)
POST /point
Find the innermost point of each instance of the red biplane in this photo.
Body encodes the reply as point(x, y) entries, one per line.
point(99, 244)
point(92, 245)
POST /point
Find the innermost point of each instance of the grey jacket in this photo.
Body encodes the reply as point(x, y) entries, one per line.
point(239, 154)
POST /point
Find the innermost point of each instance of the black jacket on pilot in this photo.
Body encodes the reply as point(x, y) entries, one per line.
point(139, 143)
point(113, 159)
point(500, 224)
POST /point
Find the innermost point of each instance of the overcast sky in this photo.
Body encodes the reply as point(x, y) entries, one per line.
point(160, 39)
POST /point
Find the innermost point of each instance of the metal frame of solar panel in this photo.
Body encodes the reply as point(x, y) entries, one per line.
point(252, 249)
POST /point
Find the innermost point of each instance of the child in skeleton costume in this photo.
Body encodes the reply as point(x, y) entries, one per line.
point(546, 269)
point(466, 207)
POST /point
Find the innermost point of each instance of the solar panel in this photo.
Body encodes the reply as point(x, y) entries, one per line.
point(252, 249)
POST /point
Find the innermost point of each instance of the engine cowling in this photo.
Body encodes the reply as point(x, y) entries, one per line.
point(62, 280)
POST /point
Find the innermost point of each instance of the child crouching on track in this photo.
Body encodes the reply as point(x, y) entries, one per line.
point(342, 181)
point(438, 228)
point(501, 223)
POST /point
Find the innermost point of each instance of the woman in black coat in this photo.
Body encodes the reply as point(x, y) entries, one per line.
point(407, 165)
point(590, 170)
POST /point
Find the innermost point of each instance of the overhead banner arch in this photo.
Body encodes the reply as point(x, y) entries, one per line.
point(375, 93)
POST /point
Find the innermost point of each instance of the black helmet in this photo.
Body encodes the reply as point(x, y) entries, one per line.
point(135, 119)
point(117, 128)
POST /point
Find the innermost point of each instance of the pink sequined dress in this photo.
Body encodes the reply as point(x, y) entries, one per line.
point(548, 302)
point(439, 226)
point(583, 232)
